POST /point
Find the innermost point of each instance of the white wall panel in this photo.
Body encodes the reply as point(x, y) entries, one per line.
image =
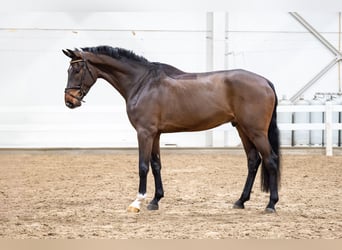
point(33, 68)
point(157, 21)
point(276, 46)
point(32, 110)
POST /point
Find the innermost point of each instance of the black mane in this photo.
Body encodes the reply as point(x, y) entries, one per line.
point(119, 53)
point(116, 53)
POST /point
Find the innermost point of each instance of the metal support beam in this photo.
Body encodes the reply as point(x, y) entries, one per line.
point(313, 80)
point(316, 34)
point(327, 44)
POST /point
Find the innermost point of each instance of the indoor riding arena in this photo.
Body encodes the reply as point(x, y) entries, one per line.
point(85, 194)
point(76, 147)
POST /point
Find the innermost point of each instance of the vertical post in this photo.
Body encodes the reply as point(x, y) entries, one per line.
point(219, 40)
point(216, 52)
point(210, 55)
point(209, 36)
point(339, 49)
point(328, 129)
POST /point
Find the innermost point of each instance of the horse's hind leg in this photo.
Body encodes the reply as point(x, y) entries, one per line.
point(270, 169)
point(156, 168)
point(253, 162)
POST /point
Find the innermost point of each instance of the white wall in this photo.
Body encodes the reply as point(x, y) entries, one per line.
point(33, 75)
point(276, 46)
point(33, 69)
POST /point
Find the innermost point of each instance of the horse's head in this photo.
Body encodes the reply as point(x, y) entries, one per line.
point(80, 78)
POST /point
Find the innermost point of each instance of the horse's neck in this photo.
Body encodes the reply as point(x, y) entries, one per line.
point(121, 76)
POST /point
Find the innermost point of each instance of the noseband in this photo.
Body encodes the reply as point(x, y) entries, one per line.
point(80, 87)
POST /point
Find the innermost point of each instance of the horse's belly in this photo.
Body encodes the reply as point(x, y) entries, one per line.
point(195, 121)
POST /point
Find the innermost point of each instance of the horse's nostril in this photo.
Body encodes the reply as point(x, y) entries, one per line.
point(69, 104)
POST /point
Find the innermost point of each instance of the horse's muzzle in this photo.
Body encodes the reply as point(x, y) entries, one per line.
point(70, 105)
point(71, 102)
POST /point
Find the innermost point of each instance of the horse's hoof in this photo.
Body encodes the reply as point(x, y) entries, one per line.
point(133, 209)
point(238, 205)
point(152, 206)
point(269, 210)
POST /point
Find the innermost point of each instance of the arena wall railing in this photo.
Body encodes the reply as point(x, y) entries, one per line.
point(108, 127)
point(327, 126)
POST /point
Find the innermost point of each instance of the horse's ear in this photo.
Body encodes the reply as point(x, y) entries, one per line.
point(69, 53)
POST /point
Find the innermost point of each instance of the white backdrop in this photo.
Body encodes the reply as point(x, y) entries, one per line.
point(33, 68)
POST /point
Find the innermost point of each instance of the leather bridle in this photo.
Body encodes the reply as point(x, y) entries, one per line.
point(81, 86)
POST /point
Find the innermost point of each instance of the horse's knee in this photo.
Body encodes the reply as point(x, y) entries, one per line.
point(143, 170)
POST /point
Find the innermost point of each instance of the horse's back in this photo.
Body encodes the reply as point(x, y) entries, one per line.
point(198, 101)
point(227, 87)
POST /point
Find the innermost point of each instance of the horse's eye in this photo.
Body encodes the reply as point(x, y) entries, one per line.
point(75, 68)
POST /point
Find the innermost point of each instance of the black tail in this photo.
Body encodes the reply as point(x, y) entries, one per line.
point(273, 137)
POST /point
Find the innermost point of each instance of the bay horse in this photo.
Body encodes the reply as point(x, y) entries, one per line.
point(163, 99)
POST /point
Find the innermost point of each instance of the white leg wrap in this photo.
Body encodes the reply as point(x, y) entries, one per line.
point(140, 198)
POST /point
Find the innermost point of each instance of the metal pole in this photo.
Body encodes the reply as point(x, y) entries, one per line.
point(316, 33)
point(313, 80)
point(328, 129)
point(339, 49)
point(328, 45)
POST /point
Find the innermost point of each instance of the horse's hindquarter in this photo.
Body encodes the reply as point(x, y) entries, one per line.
point(252, 98)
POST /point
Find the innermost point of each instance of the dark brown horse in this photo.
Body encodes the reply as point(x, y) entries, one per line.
point(163, 99)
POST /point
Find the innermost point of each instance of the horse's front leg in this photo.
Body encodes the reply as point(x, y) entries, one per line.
point(145, 140)
point(156, 168)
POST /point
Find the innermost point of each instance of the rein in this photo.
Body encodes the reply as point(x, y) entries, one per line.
point(80, 87)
